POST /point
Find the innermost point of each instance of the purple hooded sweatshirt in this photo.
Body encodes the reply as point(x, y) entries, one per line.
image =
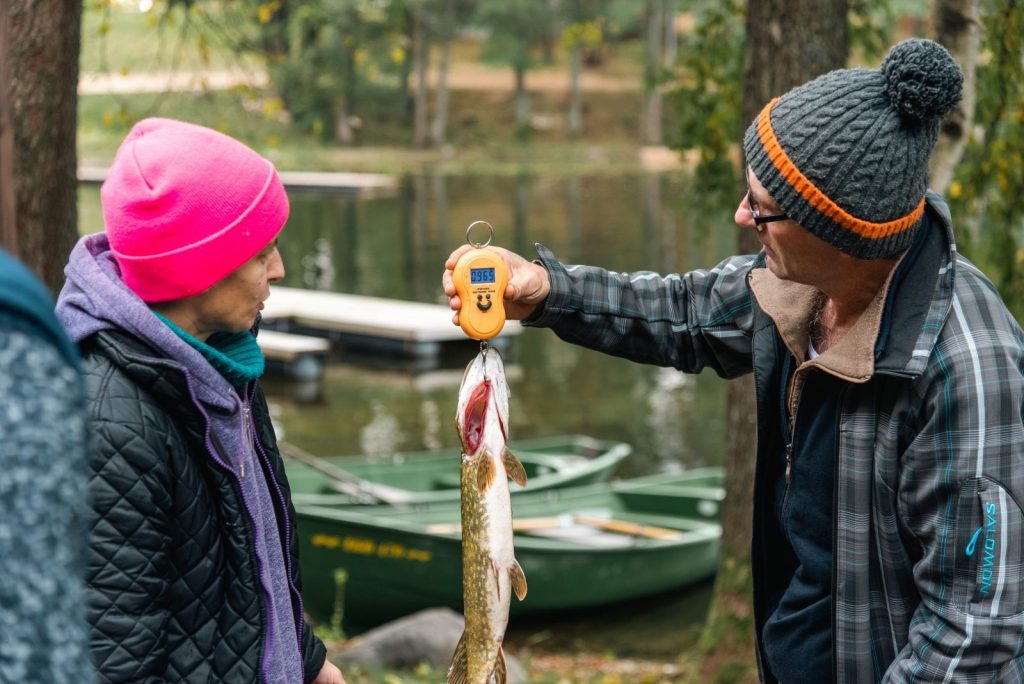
point(95, 298)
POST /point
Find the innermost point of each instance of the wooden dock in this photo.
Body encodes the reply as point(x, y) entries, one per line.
point(369, 325)
point(361, 184)
point(301, 357)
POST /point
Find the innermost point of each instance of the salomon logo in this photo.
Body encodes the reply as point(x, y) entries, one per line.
point(990, 545)
point(974, 542)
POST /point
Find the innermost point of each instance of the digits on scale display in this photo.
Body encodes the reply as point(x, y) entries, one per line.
point(481, 275)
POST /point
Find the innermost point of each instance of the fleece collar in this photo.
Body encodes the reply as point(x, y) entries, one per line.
point(791, 306)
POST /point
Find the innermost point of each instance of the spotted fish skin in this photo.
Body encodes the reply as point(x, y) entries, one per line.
point(490, 572)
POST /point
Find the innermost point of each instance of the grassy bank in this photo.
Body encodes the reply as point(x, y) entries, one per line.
point(480, 138)
point(481, 130)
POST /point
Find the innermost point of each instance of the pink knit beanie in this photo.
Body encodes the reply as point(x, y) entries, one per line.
point(185, 206)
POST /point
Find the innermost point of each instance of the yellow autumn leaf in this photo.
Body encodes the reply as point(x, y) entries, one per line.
point(272, 106)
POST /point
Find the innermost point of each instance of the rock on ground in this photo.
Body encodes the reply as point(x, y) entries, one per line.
point(428, 636)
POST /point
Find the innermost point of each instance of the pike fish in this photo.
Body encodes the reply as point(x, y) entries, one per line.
point(490, 572)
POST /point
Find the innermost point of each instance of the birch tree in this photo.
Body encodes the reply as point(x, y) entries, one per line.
point(958, 28)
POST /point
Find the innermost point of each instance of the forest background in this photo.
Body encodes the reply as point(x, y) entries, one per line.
point(493, 86)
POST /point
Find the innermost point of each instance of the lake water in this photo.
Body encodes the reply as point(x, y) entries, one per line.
point(394, 246)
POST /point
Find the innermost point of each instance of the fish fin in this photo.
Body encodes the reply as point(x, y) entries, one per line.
point(500, 670)
point(496, 571)
point(515, 571)
point(459, 668)
point(485, 473)
point(514, 468)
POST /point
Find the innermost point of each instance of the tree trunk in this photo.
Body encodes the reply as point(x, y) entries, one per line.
point(788, 42)
point(652, 75)
point(8, 211)
point(421, 61)
point(343, 102)
point(958, 28)
point(522, 98)
point(42, 45)
point(440, 123)
point(670, 51)
point(575, 96)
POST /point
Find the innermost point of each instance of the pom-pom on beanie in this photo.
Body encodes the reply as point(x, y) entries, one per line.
point(846, 154)
point(185, 206)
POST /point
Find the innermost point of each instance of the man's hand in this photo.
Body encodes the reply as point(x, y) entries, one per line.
point(329, 674)
point(527, 288)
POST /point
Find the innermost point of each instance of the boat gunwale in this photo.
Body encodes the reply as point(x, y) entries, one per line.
point(611, 454)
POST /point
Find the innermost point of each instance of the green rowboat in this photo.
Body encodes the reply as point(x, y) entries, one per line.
point(413, 478)
point(579, 547)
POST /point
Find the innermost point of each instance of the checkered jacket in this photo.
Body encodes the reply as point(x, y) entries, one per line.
point(929, 486)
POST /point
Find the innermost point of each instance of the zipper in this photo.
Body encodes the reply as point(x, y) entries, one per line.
point(789, 462)
point(250, 439)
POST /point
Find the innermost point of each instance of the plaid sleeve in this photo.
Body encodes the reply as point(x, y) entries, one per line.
point(962, 485)
point(688, 321)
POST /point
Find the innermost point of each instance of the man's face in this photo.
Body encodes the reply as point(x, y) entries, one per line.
point(792, 252)
point(234, 302)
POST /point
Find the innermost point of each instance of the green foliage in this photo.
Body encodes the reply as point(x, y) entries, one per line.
point(872, 25)
point(989, 181)
point(625, 19)
point(168, 37)
point(708, 101)
point(516, 28)
point(336, 55)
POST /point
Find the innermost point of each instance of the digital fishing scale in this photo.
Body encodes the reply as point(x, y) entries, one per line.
point(480, 278)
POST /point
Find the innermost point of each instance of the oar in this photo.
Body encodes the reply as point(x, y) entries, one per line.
point(625, 527)
point(343, 481)
point(567, 521)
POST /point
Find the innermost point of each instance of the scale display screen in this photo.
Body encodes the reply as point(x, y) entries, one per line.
point(480, 276)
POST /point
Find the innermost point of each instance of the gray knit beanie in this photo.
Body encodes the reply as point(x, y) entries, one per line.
point(846, 155)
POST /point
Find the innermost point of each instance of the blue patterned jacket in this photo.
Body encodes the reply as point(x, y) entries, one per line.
point(928, 558)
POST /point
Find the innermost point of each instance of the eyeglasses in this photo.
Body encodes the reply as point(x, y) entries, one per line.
point(758, 219)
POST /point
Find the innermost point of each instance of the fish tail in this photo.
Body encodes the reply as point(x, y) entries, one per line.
point(500, 671)
point(459, 668)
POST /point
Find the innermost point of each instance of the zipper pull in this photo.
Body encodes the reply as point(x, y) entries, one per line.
point(789, 461)
point(250, 438)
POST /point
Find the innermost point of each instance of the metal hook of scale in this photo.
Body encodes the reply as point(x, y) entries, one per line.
point(480, 245)
point(490, 234)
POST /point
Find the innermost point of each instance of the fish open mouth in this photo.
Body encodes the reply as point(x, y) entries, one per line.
point(475, 416)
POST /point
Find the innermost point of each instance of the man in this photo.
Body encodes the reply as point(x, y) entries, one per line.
point(888, 529)
point(43, 634)
point(193, 571)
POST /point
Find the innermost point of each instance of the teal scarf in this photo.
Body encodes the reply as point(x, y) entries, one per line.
point(236, 356)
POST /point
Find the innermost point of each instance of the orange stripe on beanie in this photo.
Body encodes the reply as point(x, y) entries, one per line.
point(846, 154)
point(819, 200)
